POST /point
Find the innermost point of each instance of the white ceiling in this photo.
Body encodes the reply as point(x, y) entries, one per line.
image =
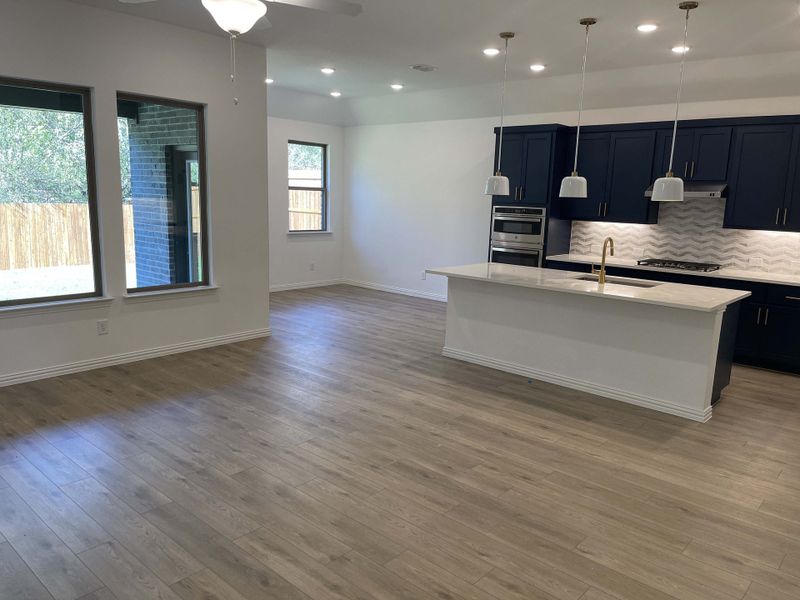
point(375, 48)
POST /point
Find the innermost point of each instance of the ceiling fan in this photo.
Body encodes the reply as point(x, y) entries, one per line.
point(340, 7)
point(237, 17)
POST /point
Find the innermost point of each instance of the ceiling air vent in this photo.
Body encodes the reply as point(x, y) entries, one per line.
point(423, 68)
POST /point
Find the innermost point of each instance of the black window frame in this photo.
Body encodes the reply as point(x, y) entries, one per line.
point(200, 108)
point(323, 189)
point(91, 187)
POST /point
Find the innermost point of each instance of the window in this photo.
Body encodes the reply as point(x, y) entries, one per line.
point(48, 214)
point(308, 187)
point(162, 161)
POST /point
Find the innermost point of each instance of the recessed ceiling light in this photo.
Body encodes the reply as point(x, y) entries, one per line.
point(397, 86)
point(647, 27)
point(336, 94)
point(269, 81)
point(681, 49)
point(491, 51)
point(328, 70)
point(538, 68)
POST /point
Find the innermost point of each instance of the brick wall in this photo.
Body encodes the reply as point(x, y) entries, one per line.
point(158, 128)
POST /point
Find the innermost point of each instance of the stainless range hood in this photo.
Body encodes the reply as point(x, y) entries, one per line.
point(704, 191)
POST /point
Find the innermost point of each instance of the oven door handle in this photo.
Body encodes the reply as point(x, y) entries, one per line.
point(525, 219)
point(516, 250)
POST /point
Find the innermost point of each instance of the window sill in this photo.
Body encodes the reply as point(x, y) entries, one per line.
point(167, 294)
point(326, 232)
point(24, 310)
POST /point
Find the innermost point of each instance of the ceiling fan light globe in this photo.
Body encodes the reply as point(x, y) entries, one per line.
point(668, 189)
point(497, 185)
point(236, 16)
point(574, 186)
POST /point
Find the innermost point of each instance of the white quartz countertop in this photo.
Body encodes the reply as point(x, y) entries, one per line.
point(723, 273)
point(673, 295)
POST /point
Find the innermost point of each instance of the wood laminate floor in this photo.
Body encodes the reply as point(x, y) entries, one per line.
point(344, 458)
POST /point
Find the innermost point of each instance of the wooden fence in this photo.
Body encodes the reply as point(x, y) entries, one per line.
point(51, 235)
point(305, 210)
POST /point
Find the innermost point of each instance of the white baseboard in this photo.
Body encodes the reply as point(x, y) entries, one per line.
point(283, 287)
point(577, 384)
point(396, 290)
point(128, 357)
point(363, 284)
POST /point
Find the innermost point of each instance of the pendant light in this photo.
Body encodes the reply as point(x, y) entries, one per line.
point(497, 184)
point(575, 186)
point(670, 188)
point(236, 17)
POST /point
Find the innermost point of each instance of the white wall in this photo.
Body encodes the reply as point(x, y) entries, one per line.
point(415, 190)
point(64, 42)
point(292, 255)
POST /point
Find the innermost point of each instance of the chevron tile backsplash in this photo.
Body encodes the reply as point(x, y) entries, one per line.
point(692, 230)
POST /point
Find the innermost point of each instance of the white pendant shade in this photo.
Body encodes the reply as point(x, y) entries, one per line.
point(574, 186)
point(236, 16)
point(668, 189)
point(497, 185)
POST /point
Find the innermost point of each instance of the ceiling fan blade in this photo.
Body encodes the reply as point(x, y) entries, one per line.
point(342, 7)
point(135, 1)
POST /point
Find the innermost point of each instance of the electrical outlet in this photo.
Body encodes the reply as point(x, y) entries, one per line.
point(755, 262)
point(102, 327)
point(312, 267)
point(424, 276)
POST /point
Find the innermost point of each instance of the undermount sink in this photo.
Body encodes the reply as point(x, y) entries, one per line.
point(621, 281)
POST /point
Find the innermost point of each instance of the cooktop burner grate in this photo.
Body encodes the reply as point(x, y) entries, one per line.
point(665, 263)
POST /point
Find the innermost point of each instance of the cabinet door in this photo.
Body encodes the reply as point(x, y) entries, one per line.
point(593, 161)
point(790, 219)
point(631, 173)
point(536, 186)
point(710, 154)
point(750, 333)
point(511, 165)
point(782, 342)
point(683, 153)
point(760, 170)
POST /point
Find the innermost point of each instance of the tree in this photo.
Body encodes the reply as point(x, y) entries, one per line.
point(42, 156)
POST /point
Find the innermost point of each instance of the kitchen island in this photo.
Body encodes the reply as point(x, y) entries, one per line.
point(664, 346)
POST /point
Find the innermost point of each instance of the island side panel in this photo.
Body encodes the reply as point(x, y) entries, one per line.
point(660, 357)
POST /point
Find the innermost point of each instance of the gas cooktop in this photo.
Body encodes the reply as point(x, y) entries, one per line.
point(666, 263)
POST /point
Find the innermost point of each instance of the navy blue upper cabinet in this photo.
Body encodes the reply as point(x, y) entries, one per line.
point(631, 173)
point(712, 147)
point(593, 163)
point(701, 153)
point(536, 183)
point(684, 147)
point(511, 164)
point(762, 163)
point(528, 164)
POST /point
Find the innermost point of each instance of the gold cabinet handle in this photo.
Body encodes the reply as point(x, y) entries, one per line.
point(691, 176)
point(686, 169)
point(777, 215)
point(795, 298)
point(758, 317)
point(600, 209)
point(521, 193)
point(766, 318)
point(785, 215)
point(605, 209)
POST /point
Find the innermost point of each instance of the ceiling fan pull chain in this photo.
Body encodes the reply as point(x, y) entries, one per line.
point(233, 68)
